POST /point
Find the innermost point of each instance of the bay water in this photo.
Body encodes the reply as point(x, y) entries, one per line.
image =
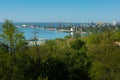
point(29, 33)
point(40, 30)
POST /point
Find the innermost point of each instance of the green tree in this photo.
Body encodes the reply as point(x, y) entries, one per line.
point(105, 56)
point(14, 41)
point(105, 62)
point(54, 69)
point(11, 37)
point(68, 60)
point(78, 62)
point(77, 44)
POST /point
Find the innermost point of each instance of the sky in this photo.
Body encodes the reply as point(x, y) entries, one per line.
point(60, 10)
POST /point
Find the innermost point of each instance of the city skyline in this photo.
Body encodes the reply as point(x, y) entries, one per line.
point(60, 10)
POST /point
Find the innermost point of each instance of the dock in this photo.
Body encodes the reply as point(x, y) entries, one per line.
point(38, 41)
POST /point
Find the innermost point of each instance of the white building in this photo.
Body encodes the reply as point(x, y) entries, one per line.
point(114, 23)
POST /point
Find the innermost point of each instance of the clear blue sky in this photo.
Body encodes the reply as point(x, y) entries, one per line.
point(60, 10)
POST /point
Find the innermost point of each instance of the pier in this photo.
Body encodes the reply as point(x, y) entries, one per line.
point(38, 41)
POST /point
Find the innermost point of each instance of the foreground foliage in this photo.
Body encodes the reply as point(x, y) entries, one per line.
point(95, 57)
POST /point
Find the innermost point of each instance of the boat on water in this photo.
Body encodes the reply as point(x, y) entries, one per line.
point(24, 25)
